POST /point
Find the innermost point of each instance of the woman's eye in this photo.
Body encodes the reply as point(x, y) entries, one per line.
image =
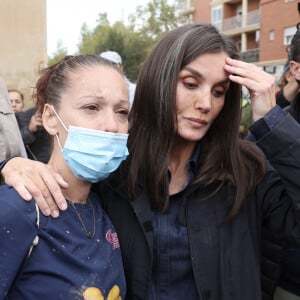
point(218, 93)
point(91, 107)
point(190, 85)
point(124, 112)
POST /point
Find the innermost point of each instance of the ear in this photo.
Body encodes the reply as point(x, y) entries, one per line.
point(49, 120)
point(295, 69)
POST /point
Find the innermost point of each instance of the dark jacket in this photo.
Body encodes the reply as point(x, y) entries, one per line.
point(292, 107)
point(38, 144)
point(225, 256)
point(280, 264)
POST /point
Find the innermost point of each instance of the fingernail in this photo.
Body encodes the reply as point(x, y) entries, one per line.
point(63, 206)
point(55, 213)
point(28, 197)
point(47, 212)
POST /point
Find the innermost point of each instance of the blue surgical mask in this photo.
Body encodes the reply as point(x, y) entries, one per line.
point(93, 155)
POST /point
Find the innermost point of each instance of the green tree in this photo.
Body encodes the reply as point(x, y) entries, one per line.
point(156, 18)
point(117, 37)
point(134, 40)
point(91, 39)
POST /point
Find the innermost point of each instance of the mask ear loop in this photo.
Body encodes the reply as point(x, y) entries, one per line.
point(58, 141)
point(58, 117)
point(62, 123)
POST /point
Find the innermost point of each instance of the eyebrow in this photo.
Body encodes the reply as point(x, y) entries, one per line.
point(196, 73)
point(102, 99)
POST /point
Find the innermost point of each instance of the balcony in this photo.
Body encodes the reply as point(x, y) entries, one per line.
point(242, 23)
point(186, 7)
point(250, 56)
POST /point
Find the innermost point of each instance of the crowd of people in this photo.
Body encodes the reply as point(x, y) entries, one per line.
point(182, 206)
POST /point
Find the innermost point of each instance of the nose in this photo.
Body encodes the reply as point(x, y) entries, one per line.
point(203, 101)
point(109, 122)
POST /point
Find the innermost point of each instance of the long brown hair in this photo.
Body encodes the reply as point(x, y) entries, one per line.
point(225, 158)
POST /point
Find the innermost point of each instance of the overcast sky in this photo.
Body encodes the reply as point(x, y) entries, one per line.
point(65, 18)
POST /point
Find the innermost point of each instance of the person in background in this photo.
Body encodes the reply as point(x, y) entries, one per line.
point(288, 88)
point(284, 77)
point(11, 143)
point(16, 100)
point(115, 57)
point(84, 105)
point(35, 138)
point(289, 97)
point(190, 201)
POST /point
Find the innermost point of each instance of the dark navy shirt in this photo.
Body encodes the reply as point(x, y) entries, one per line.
point(172, 274)
point(65, 263)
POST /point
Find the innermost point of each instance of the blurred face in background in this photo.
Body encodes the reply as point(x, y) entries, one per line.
point(17, 101)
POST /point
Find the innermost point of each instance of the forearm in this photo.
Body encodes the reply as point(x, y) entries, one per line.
point(281, 145)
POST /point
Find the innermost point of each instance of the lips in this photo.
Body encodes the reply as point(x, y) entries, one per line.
point(198, 121)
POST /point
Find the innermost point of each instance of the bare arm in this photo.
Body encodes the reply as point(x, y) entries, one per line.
point(33, 179)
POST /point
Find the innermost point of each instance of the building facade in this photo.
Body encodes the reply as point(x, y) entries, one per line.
point(261, 29)
point(23, 51)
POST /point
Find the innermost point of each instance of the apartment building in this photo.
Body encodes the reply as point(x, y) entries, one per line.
point(261, 29)
point(23, 51)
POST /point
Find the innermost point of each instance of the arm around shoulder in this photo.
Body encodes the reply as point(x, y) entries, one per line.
point(281, 147)
point(282, 141)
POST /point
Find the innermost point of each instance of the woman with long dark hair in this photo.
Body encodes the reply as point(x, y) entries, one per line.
point(189, 202)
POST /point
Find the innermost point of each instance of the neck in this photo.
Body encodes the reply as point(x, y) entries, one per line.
point(178, 166)
point(78, 189)
point(180, 155)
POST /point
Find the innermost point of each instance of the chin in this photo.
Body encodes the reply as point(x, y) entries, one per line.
point(192, 138)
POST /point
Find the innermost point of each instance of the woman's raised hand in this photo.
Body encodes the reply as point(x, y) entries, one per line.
point(261, 85)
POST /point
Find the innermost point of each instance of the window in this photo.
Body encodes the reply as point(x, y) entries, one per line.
point(272, 35)
point(216, 17)
point(288, 35)
point(239, 15)
point(257, 36)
